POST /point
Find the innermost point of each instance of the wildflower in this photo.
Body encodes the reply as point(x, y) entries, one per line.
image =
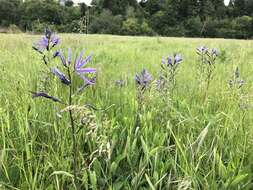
point(177, 59)
point(78, 66)
point(143, 79)
point(44, 95)
point(87, 82)
point(81, 71)
point(69, 56)
point(215, 52)
point(160, 83)
point(56, 54)
point(61, 76)
point(47, 42)
point(236, 81)
point(202, 50)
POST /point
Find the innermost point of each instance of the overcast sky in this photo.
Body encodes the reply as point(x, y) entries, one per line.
point(89, 1)
point(85, 1)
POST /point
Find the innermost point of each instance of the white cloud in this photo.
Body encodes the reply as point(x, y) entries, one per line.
point(226, 2)
point(83, 1)
point(88, 2)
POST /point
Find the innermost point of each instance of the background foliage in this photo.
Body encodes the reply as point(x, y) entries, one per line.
point(195, 18)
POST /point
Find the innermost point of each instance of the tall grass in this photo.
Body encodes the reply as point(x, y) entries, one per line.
point(184, 143)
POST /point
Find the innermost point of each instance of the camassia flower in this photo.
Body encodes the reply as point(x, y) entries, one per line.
point(61, 76)
point(47, 42)
point(171, 62)
point(202, 50)
point(143, 80)
point(79, 65)
point(44, 95)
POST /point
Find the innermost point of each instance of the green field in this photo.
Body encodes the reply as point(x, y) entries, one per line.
point(182, 141)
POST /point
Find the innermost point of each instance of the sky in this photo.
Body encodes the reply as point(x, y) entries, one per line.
point(89, 1)
point(226, 2)
point(81, 1)
point(85, 1)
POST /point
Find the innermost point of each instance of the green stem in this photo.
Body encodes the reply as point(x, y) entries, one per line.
point(73, 132)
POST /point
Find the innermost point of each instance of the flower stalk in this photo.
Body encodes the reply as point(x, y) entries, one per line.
point(73, 131)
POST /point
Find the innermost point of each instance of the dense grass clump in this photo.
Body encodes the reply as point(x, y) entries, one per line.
point(193, 138)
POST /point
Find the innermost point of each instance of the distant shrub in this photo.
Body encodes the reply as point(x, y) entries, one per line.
point(193, 26)
point(243, 26)
point(178, 30)
point(39, 27)
point(209, 28)
point(14, 29)
point(146, 29)
point(73, 27)
point(106, 23)
point(131, 27)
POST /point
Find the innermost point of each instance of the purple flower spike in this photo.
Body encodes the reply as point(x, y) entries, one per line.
point(81, 71)
point(177, 59)
point(170, 62)
point(87, 82)
point(169, 59)
point(63, 59)
point(69, 56)
point(47, 42)
point(163, 61)
point(41, 45)
point(84, 62)
point(55, 40)
point(79, 60)
point(143, 79)
point(86, 70)
point(202, 50)
point(56, 54)
point(61, 76)
point(44, 95)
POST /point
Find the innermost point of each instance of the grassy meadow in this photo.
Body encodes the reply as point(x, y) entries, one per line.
point(181, 142)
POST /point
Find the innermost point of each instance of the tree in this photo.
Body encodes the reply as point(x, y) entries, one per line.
point(9, 12)
point(69, 3)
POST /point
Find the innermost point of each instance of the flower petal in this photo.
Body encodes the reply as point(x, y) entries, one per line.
point(44, 95)
point(63, 59)
point(69, 56)
point(79, 60)
point(61, 76)
point(86, 70)
point(84, 62)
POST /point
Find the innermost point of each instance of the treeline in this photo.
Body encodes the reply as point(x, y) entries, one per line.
point(194, 18)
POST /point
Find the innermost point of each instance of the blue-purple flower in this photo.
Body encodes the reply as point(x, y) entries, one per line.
point(144, 79)
point(236, 81)
point(44, 95)
point(202, 50)
point(61, 76)
point(81, 70)
point(160, 83)
point(79, 65)
point(177, 58)
point(47, 42)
